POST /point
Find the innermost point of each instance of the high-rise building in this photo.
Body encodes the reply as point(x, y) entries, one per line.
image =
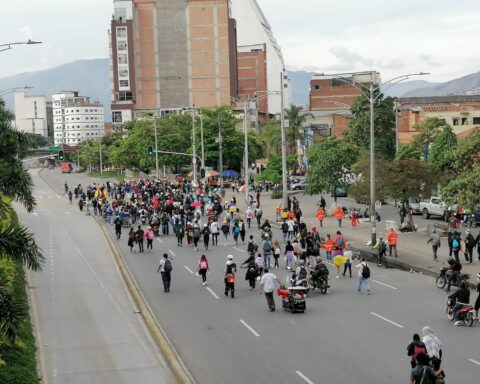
point(253, 30)
point(76, 118)
point(33, 114)
point(168, 55)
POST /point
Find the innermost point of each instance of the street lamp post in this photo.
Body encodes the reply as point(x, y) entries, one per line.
point(10, 90)
point(156, 147)
point(5, 47)
point(284, 146)
point(370, 95)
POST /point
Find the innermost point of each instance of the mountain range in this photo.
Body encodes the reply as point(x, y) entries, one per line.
point(91, 78)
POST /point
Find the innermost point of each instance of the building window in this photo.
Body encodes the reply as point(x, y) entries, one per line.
point(338, 82)
point(123, 83)
point(121, 45)
point(122, 58)
point(316, 87)
point(122, 32)
point(455, 121)
point(464, 120)
point(476, 120)
point(123, 73)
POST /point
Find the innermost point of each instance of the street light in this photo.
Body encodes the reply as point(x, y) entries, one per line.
point(10, 90)
point(9, 45)
point(246, 102)
point(370, 95)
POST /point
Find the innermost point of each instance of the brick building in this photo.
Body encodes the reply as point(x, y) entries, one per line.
point(461, 112)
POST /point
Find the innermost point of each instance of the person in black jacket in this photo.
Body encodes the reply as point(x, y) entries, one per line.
point(462, 298)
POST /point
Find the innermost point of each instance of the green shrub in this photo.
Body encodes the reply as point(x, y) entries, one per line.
point(277, 194)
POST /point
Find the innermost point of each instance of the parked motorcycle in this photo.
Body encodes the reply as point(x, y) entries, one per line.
point(465, 314)
point(442, 279)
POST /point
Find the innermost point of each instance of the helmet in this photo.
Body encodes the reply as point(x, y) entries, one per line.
point(319, 260)
point(451, 261)
point(205, 225)
point(230, 257)
point(229, 262)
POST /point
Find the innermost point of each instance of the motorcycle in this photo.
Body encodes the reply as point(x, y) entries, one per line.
point(441, 280)
point(293, 298)
point(293, 282)
point(465, 314)
point(321, 283)
point(143, 219)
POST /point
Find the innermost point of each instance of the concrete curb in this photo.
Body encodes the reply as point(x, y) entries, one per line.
point(168, 351)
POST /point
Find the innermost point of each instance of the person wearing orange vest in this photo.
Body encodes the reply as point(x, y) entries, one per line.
point(320, 215)
point(328, 245)
point(278, 212)
point(339, 214)
point(392, 238)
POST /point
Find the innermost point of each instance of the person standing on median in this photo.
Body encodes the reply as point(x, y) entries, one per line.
point(267, 283)
point(436, 243)
point(363, 276)
point(165, 268)
point(392, 239)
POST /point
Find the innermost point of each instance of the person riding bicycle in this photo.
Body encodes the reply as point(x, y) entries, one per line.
point(455, 267)
point(462, 299)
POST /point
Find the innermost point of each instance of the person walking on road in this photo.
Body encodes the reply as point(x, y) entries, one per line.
point(320, 215)
point(230, 271)
point(348, 262)
point(165, 268)
point(328, 245)
point(469, 246)
point(235, 232)
point(249, 215)
point(202, 269)
point(243, 231)
point(132, 240)
point(226, 231)
point(436, 243)
point(339, 214)
point(363, 276)
point(392, 239)
point(139, 236)
point(289, 255)
point(432, 343)
point(196, 233)
point(267, 283)
point(214, 230)
point(206, 236)
point(276, 253)
point(118, 227)
point(423, 373)
point(180, 234)
point(149, 236)
point(258, 216)
point(267, 251)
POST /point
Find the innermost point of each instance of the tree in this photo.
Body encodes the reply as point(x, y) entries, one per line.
point(294, 133)
point(270, 137)
point(331, 161)
point(467, 154)
point(16, 243)
point(273, 171)
point(443, 148)
point(358, 131)
point(406, 151)
point(463, 190)
point(429, 129)
point(36, 140)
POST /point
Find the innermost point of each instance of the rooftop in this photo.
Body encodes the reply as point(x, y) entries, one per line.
point(440, 99)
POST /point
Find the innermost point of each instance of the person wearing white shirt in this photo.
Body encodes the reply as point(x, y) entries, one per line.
point(432, 343)
point(267, 283)
point(361, 279)
point(214, 230)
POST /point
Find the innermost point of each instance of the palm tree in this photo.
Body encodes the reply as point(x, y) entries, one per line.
point(16, 243)
point(294, 133)
point(270, 137)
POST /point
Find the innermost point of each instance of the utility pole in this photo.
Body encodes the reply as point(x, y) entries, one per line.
point(220, 153)
point(245, 157)
point(373, 218)
point(194, 157)
point(284, 147)
point(397, 139)
point(156, 148)
point(101, 162)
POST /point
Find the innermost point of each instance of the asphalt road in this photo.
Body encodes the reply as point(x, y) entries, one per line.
point(342, 337)
point(87, 327)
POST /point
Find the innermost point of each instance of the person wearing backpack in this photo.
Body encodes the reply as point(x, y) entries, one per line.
point(415, 348)
point(456, 245)
point(251, 247)
point(202, 269)
point(423, 373)
point(165, 268)
point(469, 246)
point(267, 251)
point(235, 232)
point(258, 216)
point(363, 276)
point(196, 236)
point(382, 250)
point(214, 230)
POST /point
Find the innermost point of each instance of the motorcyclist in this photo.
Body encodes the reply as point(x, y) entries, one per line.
point(320, 270)
point(455, 267)
point(66, 187)
point(301, 273)
point(462, 298)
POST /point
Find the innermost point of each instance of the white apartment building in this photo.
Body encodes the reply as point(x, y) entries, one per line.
point(33, 114)
point(76, 118)
point(252, 29)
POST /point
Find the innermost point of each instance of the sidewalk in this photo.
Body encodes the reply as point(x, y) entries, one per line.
point(413, 251)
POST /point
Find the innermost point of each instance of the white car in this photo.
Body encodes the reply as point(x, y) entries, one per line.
point(295, 186)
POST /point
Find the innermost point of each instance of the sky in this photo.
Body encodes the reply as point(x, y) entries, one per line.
point(331, 36)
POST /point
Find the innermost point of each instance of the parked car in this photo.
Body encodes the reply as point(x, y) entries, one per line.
point(414, 205)
point(298, 185)
point(340, 192)
point(434, 207)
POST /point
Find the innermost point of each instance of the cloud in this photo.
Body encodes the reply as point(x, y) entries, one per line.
point(27, 31)
point(428, 59)
point(391, 64)
point(347, 59)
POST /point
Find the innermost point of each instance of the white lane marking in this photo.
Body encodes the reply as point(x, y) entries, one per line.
point(188, 269)
point(238, 249)
point(387, 320)
point(171, 252)
point(474, 361)
point(213, 293)
point(305, 378)
point(249, 328)
point(35, 213)
point(159, 240)
point(386, 285)
point(59, 197)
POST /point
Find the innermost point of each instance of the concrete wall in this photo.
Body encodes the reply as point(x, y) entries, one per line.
point(31, 114)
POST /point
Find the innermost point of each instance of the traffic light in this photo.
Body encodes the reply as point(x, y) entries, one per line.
point(202, 172)
point(150, 150)
point(60, 155)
